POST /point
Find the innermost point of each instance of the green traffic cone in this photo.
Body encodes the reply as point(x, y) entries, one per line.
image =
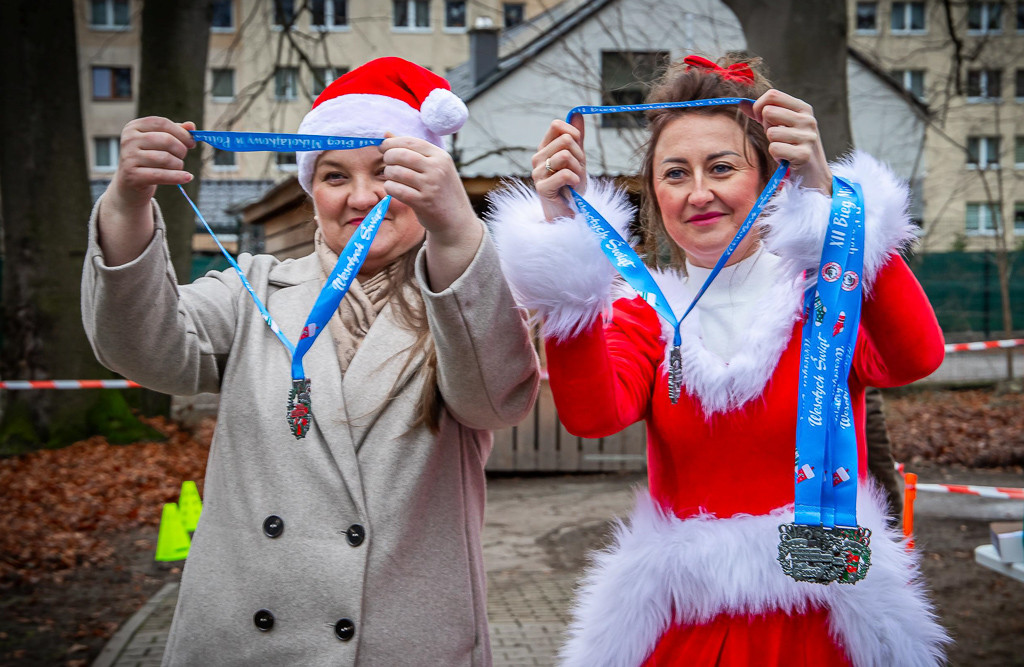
point(189, 505)
point(173, 542)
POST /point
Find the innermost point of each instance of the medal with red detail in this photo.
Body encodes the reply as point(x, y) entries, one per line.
point(300, 409)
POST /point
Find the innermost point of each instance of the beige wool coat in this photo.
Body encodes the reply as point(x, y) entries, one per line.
point(360, 544)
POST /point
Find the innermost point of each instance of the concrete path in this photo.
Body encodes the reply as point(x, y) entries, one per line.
point(531, 546)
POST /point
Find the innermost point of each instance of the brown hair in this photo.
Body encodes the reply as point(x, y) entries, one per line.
point(683, 83)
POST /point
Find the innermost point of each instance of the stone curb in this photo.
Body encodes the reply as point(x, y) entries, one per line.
point(116, 644)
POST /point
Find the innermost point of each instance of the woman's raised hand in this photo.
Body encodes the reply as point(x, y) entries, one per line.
point(793, 135)
point(560, 162)
point(152, 153)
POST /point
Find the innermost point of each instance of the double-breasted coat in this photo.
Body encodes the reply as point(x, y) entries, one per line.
point(360, 544)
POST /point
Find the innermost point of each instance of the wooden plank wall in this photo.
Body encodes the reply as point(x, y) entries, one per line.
point(541, 444)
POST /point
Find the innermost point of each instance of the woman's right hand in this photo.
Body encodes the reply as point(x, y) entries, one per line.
point(152, 153)
point(560, 162)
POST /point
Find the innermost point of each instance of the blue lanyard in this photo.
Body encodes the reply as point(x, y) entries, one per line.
point(628, 263)
point(350, 260)
point(826, 466)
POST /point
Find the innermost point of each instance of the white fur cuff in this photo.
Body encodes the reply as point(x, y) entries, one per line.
point(797, 218)
point(556, 268)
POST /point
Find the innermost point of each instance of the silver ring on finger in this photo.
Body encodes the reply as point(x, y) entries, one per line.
point(547, 165)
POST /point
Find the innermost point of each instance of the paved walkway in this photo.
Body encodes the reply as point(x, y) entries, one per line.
point(532, 545)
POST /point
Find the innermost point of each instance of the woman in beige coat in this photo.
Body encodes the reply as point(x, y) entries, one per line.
point(360, 543)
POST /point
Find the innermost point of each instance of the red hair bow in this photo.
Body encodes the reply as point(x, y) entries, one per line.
point(739, 72)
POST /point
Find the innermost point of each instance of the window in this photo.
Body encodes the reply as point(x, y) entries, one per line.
point(223, 160)
point(867, 17)
point(982, 218)
point(912, 80)
point(284, 12)
point(1020, 17)
point(223, 16)
point(328, 14)
point(223, 85)
point(515, 13)
point(284, 83)
point(1018, 152)
point(324, 76)
point(111, 83)
point(411, 13)
point(1018, 217)
point(286, 162)
point(984, 18)
point(983, 152)
point(625, 79)
point(109, 14)
point(455, 14)
point(907, 17)
point(984, 84)
point(1018, 85)
point(105, 151)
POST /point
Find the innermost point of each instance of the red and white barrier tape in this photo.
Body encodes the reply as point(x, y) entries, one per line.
point(984, 345)
point(68, 384)
point(983, 491)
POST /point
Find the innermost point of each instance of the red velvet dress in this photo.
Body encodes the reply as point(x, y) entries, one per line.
point(738, 462)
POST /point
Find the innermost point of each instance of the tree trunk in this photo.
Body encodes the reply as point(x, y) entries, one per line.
point(175, 43)
point(45, 191)
point(803, 42)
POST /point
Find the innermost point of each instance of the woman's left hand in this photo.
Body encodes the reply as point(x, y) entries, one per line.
point(423, 177)
point(793, 134)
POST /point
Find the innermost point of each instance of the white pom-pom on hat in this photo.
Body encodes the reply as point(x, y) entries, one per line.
point(383, 95)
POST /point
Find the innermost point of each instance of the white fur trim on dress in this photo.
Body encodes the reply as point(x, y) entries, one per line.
point(722, 385)
point(797, 217)
point(662, 569)
point(556, 268)
point(359, 115)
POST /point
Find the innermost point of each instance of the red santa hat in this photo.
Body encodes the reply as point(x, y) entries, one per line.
point(384, 95)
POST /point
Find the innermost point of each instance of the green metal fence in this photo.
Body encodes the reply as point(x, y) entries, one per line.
point(964, 290)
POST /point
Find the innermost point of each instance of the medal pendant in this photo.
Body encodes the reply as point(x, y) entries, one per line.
point(810, 553)
point(675, 374)
point(300, 409)
point(854, 545)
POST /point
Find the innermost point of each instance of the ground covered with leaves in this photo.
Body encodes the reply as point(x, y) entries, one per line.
point(76, 555)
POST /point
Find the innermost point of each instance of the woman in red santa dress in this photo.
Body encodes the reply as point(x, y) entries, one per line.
point(692, 578)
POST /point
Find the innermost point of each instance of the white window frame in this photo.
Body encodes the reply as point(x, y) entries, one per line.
point(411, 14)
point(455, 28)
point(987, 222)
point(226, 28)
point(291, 92)
point(1018, 151)
point(289, 167)
point(328, 24)
point(213, 85)
point(113, 145)
point(984, 76)
point(110, 25)
point(986, 8)
point(987, 151)
point(906, 8)
point(856, 13)
point(331, 73)
point(223, 167)
point(113, 83)
point(905, 77)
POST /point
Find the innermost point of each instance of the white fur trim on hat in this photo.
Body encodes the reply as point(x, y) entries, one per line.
point(443, 112)
point(359, 115)
point(556, 268)
point(797, 217)
point(662, 570)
